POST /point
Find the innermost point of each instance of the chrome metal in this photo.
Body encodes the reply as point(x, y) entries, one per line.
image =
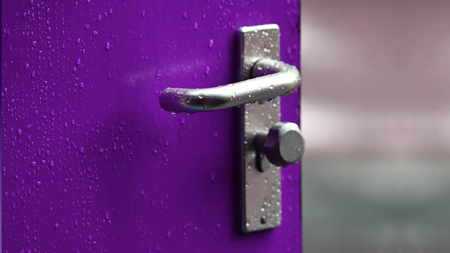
point(262, 78)
point(261, 202)
point(282, 145)
point(270, 78)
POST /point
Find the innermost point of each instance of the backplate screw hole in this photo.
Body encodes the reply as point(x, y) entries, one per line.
point(263, 220)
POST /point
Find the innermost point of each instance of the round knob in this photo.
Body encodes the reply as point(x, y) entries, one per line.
point(282, 145)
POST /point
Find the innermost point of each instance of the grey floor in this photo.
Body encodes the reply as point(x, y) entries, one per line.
point(376, 204)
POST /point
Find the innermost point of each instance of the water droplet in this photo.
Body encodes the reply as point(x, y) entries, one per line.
point(94, 33)
point(185, 14)
point(107, 45)
point(143, 13)
point(99, 17)
point(142, 193)
point(195, 26)
point(168, 234)
point(211, 42)
point(56, 225)
point(86, 26)
point(207, 70)
point(78, 61)
point(212, 177)
point(19, 131)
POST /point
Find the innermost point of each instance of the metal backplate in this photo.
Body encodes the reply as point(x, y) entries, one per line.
point(261, 190)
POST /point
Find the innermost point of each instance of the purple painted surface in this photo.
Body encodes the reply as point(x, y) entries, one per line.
point(91, 162)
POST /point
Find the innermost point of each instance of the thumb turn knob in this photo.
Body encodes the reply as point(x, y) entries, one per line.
point(282, 145)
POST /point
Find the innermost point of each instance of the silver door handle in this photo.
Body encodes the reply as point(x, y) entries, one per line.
point(270, 78)
point(265, 142)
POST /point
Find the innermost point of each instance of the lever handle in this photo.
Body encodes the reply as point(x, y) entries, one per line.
point(270, 78)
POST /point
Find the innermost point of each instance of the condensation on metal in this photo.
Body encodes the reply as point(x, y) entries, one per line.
point(267, 78)
point(261, 190)
point(263, 78)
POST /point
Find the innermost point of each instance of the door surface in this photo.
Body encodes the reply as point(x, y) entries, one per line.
point(91, 163)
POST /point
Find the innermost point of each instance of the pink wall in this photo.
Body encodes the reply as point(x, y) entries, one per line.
point(376, 119)
point(379, 72)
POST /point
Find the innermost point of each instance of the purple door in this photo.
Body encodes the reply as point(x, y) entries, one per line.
point(90, 161)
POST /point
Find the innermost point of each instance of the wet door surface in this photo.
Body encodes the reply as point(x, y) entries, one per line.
point(91, 163)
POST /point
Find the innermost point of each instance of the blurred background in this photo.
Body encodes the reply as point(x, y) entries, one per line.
point(376, 118)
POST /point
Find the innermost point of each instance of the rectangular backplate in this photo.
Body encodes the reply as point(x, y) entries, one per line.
point(261, 200)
